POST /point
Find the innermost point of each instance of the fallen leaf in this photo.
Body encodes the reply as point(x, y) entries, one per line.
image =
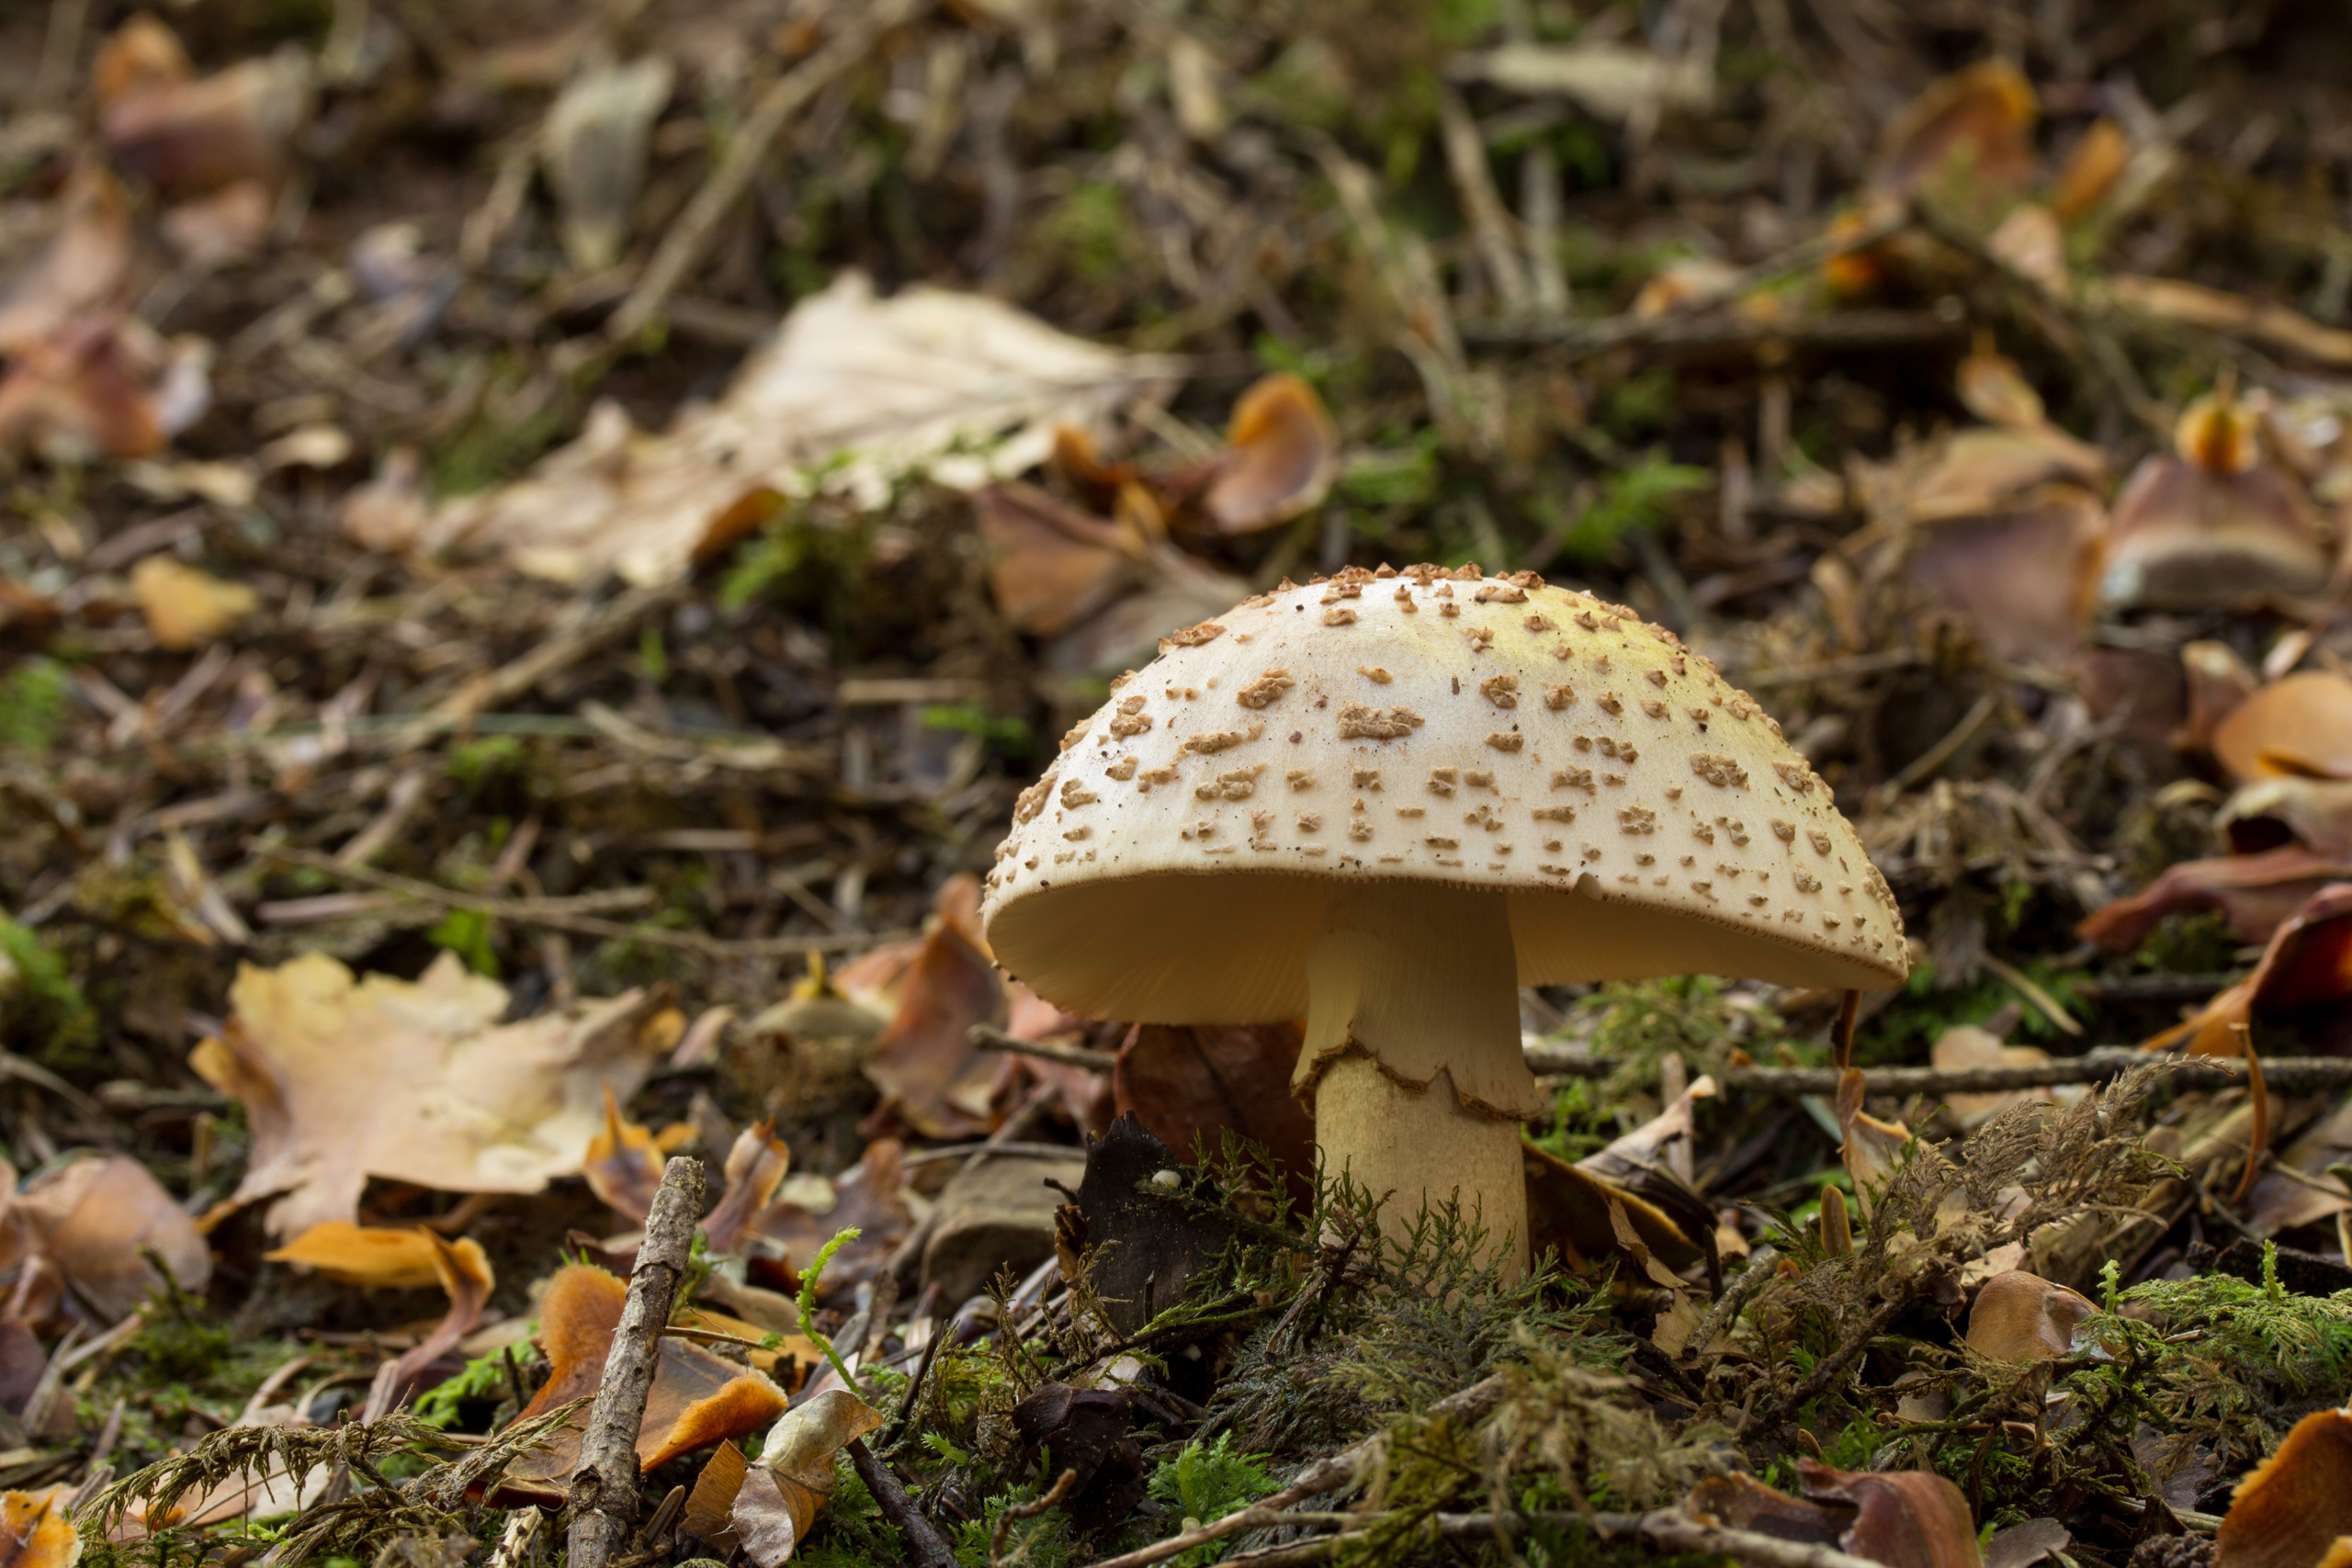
point(2033, 243)
point(852, 393)
point(389, 512)
point(1145, 1250)
point(756, 1167)
point(930, 1073)
point(2026, 1542)
point(2024, 576)
point(2257, 892)
point(707, 1516)
point(2298, 725)
point(190, 136)
point(593, 145)
point(1742, 1502)
point(697, 1399)
point(1177, 591)
point(1576, 1212)
point(186, 608)
point(871, 1196)
point(1050, 565)
point(79, 269)
point(1871, 1145)
point(1087, 1431)
point(95, 1220)
point(1968, 138)
point(2294, 1509)
point(36, 1531)
point(101, 387)
point(387, 1258)
point(1992, 388)
point(140, 56)
point(2213, 524)
point(623, 1165)
point(1188, 1085)
point(343, 1078)
point(2214, 309)
point(1905, 1518)
point(2020, 1316)
point(2314, 813)
point(2306, 968)
point(1284, 452)
point(1965, 1045)
point(377, 1257)
point(2091, 171)
point(780, 1495)
point(2218, 683)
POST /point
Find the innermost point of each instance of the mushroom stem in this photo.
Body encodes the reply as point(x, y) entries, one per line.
point(1412, 1055)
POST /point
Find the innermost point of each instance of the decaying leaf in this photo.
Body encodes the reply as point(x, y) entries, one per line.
point(80, 267)
point(1085, 1432)
point(2020, 1316)
point(924, 1062)
point(1283, 453)
point(2314, 813)
point(36, 1531)
point(871, 1196)
point(623, 1163)
point(2212, 524)
point(697, 1399)
point(2306, 969)
point(345, 1077)
point(1188, 1085)
point(2294, 1509)
point(1871, 1146)
point(1966, 1046)
point(756, 1167)
point(94, 1221)
point(2257, 892)
point(2024, 576)
point(101, 385)
point(2217, 682)
point(958, 387)
point(1969, 135)
point(186, 608)
point(403, 1259)
point(1905, 1518)
point(781, 1493)
point(2298, 725)
point(1050, 565)
point(190, 135)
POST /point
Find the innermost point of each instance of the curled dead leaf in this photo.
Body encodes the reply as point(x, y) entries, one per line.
point(871, 1196)
point(1284, 454)
point(2306, 969)
point(186, 608)
point(94, 1221)
point(756, 1167)
point(924, 1062)
point(697, 1399)
point(2293, 1509)
point(101, 387)
point(2020, 1316)
point(345, 1078)
point(1905, 1518)
point(623, 1165)
point(378, 1256)
point(1871, 1145)
point(2091, 169)
point(2299, 724)
point(780, 1495)
point(1188, 1085)
point(2024, 575)
point(80, 267)
point(2213, 524)
point(593, 145)
point(2218, 683)
point(1969, 138)
point(1050, 565)
point(2258, 893)
point(190, 136)
point(2315, 813)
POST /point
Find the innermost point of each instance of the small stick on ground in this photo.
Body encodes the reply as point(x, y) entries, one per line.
point(1064, 1484)
point(930, 1548)
point(603, 1487)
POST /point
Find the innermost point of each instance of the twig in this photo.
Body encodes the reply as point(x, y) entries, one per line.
point(1844, 330)
point(603, 1487)
point(988, 1037)
point(2292, 1075)
point(1830, 1366)
point(550, 913)
point(1064, 1484)
point(2043, 1002)
point(928, 1548)
point(569, 644)
point(1324, 1475)
point(683, 245)
point(1728, 1305)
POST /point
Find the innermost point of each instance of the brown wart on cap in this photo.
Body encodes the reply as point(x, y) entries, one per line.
point(2214, 523)
point(1403, 933)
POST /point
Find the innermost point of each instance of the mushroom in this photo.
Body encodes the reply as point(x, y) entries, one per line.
point(1386, 801)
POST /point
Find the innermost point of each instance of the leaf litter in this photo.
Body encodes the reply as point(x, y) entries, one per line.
point(525, 532)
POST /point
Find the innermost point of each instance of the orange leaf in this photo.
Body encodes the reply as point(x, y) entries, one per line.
point(35, 1531)
point(622, 1165)
point(2291, 1509)
point(697, 1399)
point(1286, 453)
point(1905, 1518)
point(2258, 893)
point(781, 1494)
point(2301, 724)
point(1970, 134)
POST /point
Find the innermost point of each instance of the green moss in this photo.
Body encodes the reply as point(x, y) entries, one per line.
point(1641, 497)
point(32, 704)
point(1202, 1483)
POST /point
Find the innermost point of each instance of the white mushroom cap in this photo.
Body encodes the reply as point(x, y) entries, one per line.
point(1643, 816)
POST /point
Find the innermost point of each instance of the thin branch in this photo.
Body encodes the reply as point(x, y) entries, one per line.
point(988, 1037)
point(2292, 1075)
point(929, 1549)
